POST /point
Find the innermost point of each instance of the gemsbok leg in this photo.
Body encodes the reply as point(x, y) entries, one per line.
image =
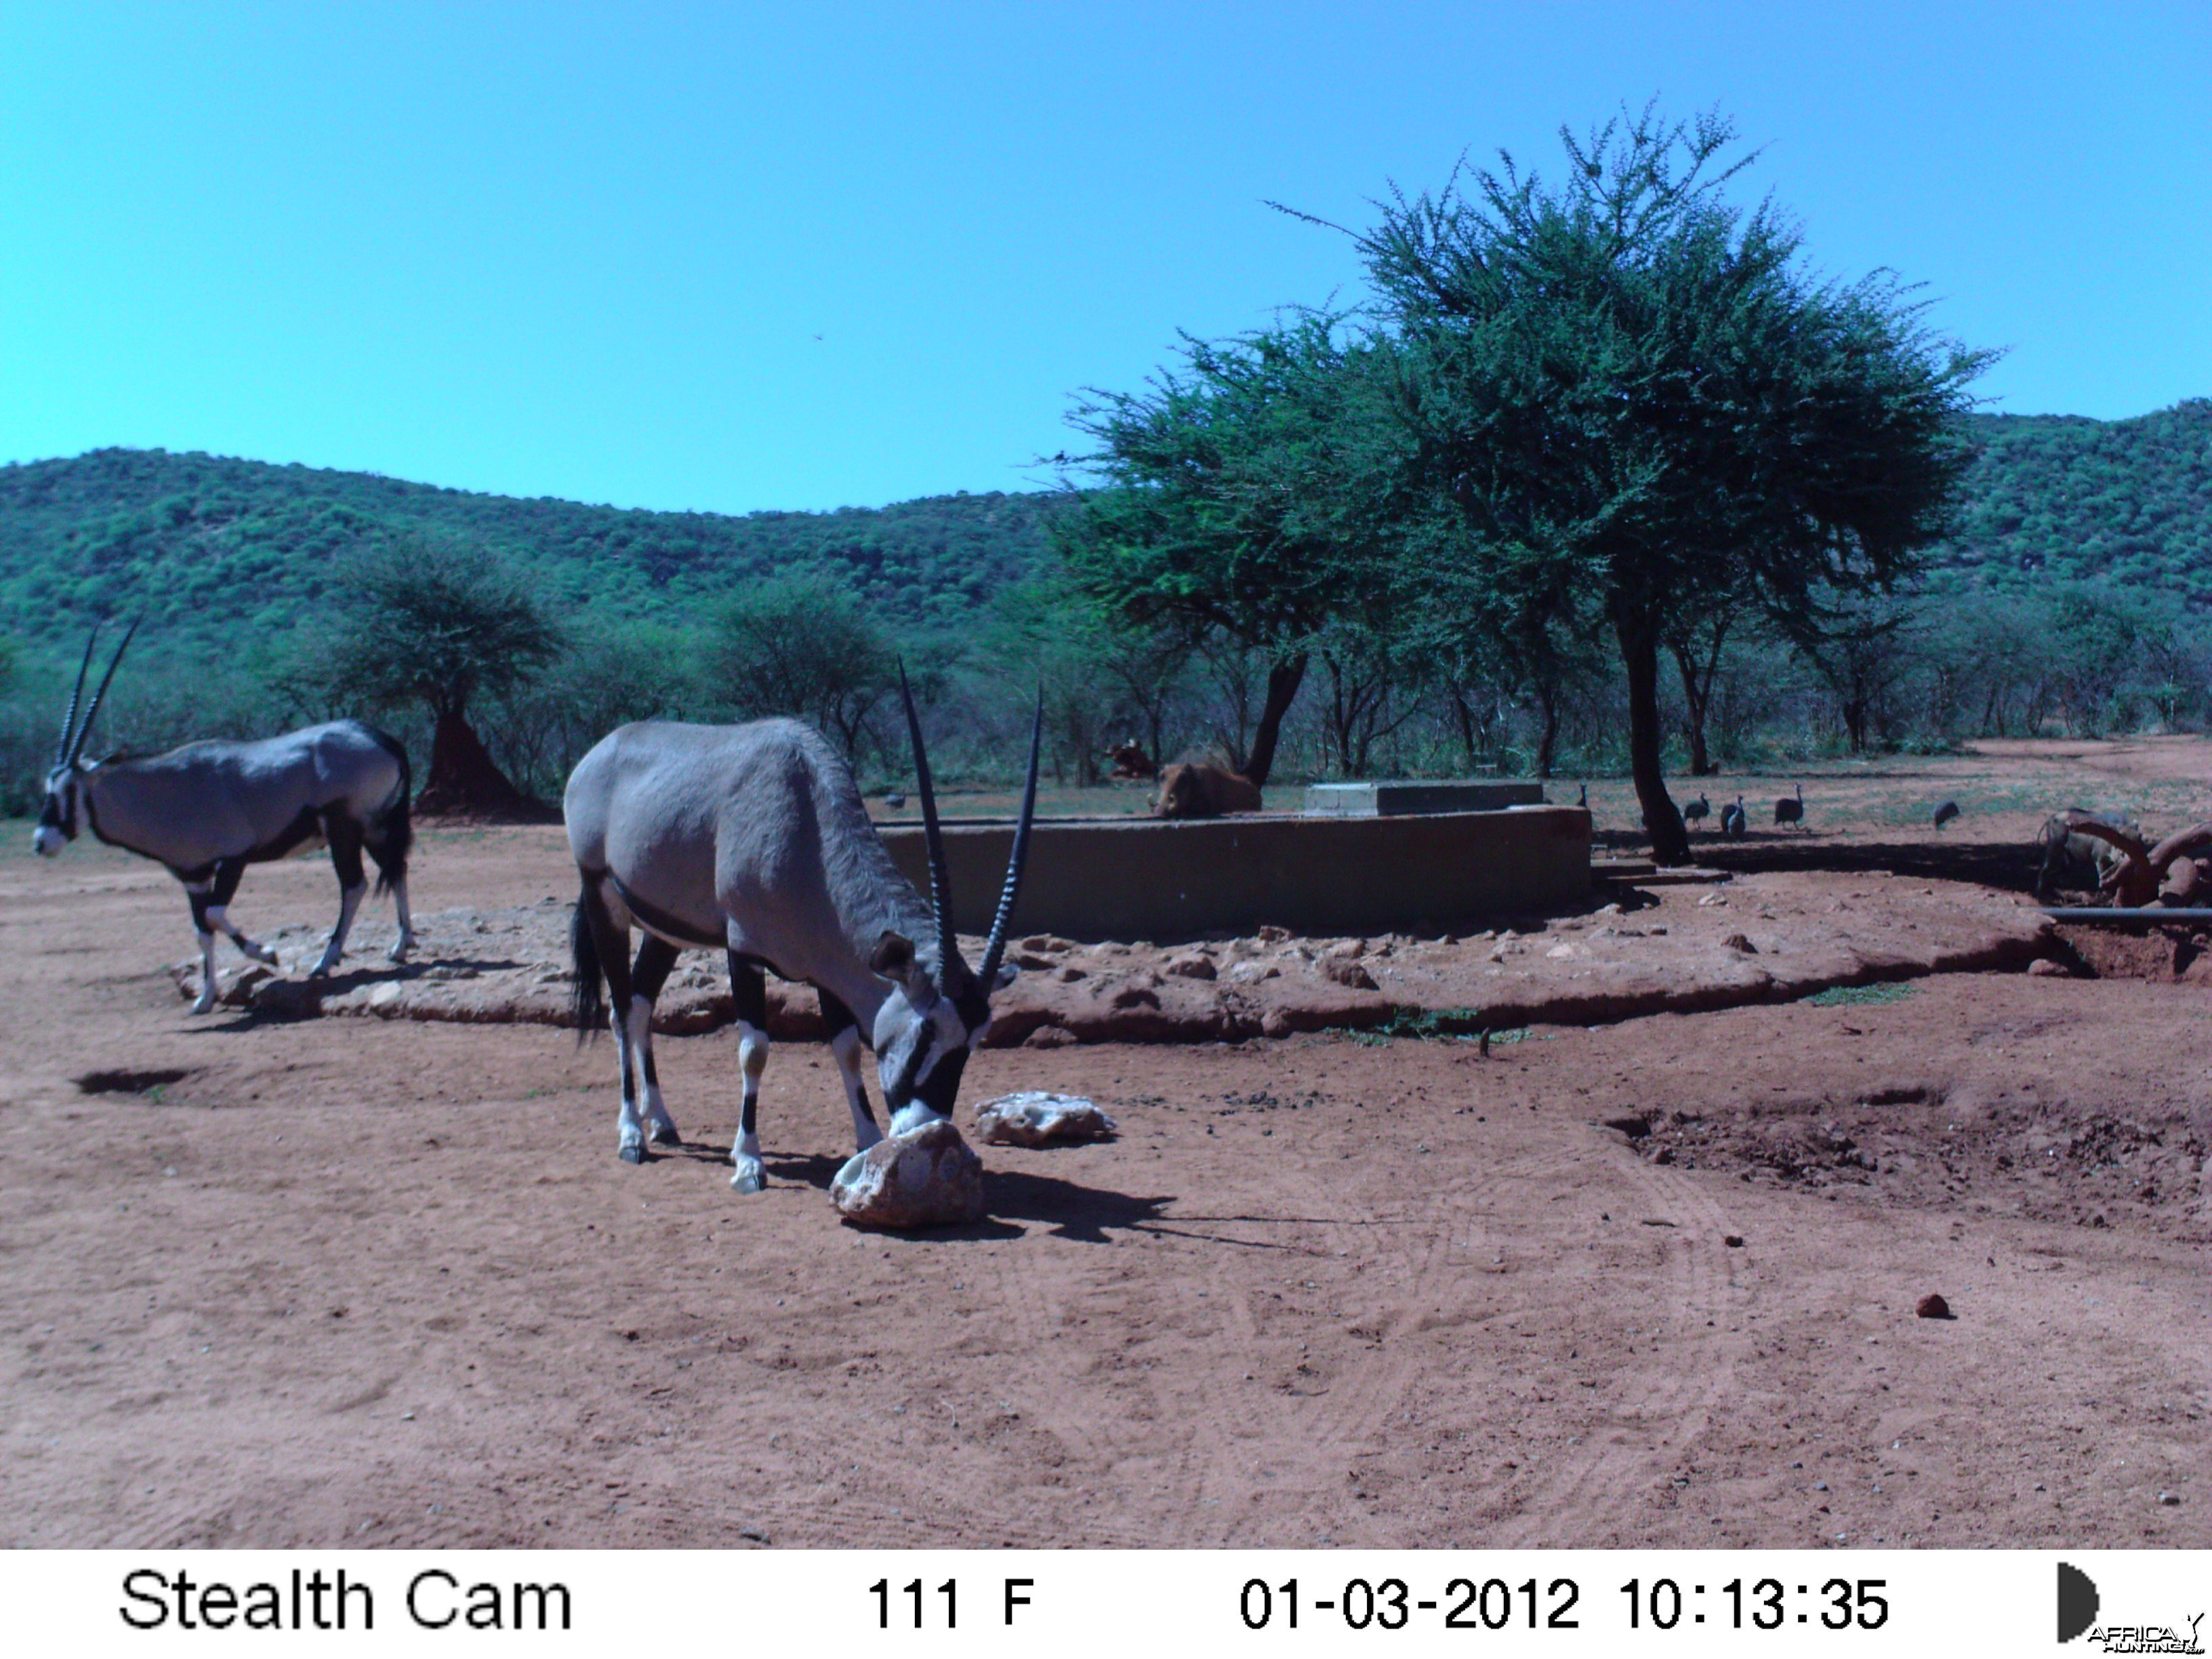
point(610, 940)
point(656, 957)
point(845, 1046)
point(344, 837)
point(749, 992)
point(210, 900)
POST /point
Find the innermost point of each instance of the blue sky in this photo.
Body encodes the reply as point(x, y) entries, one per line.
point(735, 258)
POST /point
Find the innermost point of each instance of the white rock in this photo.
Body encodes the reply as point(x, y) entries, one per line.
point(1037, 1117)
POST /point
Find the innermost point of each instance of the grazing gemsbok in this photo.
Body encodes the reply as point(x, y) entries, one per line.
point(752, 839)
point(209, 808)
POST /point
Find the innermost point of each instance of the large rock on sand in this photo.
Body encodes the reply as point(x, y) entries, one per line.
point(929, 1177)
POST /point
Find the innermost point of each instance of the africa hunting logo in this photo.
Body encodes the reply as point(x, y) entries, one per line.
point(2078, 1605)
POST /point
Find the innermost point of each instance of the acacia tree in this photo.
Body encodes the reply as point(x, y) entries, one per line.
point(1238, 501)
point(441, 625)
point(1635, 387)
point(803, 645)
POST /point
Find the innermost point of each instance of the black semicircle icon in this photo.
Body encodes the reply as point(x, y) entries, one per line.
point(2078, 1601)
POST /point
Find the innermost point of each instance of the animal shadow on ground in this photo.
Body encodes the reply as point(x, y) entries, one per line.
point(1068, 1209)
point(132, 1082)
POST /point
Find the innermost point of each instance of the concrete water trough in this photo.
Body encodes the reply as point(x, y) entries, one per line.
point(1150, 878)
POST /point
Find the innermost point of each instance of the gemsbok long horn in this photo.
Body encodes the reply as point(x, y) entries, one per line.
point(940, 880)
point(995, 948)
point(93, 710)
point(68, 720)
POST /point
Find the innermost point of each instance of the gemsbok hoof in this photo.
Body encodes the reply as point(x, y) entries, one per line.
point(202, 1004)
point(747, 1181)
point(632, 1155)
point(664, 1134)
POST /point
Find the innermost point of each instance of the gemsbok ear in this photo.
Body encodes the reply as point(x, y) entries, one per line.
point(893, 956)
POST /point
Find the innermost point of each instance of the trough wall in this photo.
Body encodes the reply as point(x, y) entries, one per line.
point(1161, 880)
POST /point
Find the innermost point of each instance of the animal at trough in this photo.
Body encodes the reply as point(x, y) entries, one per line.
point(1943, 814)
point(2070, 857)
point(2170, 873)
point(1130, 760)
point(1199, 789)
point(207, 810)
point(753, 841)
point(1735, 826)
point(1791, 809)
point(1697, 811)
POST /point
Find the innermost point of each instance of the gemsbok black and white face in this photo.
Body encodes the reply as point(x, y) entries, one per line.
point(925, 1033)
point(64, 808)
point(63, 811)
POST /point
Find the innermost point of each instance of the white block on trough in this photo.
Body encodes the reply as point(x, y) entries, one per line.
point(1407, 799)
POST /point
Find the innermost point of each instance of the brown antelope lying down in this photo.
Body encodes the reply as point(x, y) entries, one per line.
point(1202, 790)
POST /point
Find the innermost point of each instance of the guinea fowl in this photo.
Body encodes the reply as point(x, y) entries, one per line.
point(1697, 811)
point(1735, 826)
point(1789, 810)
point(1944, 814)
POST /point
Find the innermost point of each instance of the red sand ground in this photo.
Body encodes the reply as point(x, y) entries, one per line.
point(281, 1283)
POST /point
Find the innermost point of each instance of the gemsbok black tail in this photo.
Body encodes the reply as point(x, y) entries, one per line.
point(588, 1003)
point(390, 835)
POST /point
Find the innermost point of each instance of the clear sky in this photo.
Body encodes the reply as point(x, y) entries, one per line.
point(740, 257)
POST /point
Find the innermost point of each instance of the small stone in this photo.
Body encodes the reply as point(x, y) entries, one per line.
point(2044, 968)
point(384, 995)
point(1733, 1241)
point(1038, 1117)
point(1273, 935)
point(2171, 1499)
point(1712, 899)
point(1932, 1306)
point(1740, 943)
point(1193, 966)
point(1560, 953)
point(1347, 971)
point(1050, 1036)
point(929, 1178)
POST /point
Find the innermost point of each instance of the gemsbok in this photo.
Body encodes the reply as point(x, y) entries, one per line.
point(753, 840)
point(209, 808)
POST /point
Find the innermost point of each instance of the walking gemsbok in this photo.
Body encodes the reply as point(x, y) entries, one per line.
point(752, 839)
point(209, 808)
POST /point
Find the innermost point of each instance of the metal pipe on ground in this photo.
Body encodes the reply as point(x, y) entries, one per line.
point(2098, 915)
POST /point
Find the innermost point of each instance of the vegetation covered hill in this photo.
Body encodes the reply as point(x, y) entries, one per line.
point(2062, 498)
point(213, 547)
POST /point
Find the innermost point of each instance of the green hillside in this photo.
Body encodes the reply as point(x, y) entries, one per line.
point(212, 547)
point(2062, 498)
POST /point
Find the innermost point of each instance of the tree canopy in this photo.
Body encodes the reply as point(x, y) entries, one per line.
point(1240, 499)
point(442, 626)
point(1630, 388)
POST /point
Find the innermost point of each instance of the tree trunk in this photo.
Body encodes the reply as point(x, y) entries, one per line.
point(1284, 678)
point(463, 777)
point(1548, 743)
point(1695, 700)
point(1640, 655)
